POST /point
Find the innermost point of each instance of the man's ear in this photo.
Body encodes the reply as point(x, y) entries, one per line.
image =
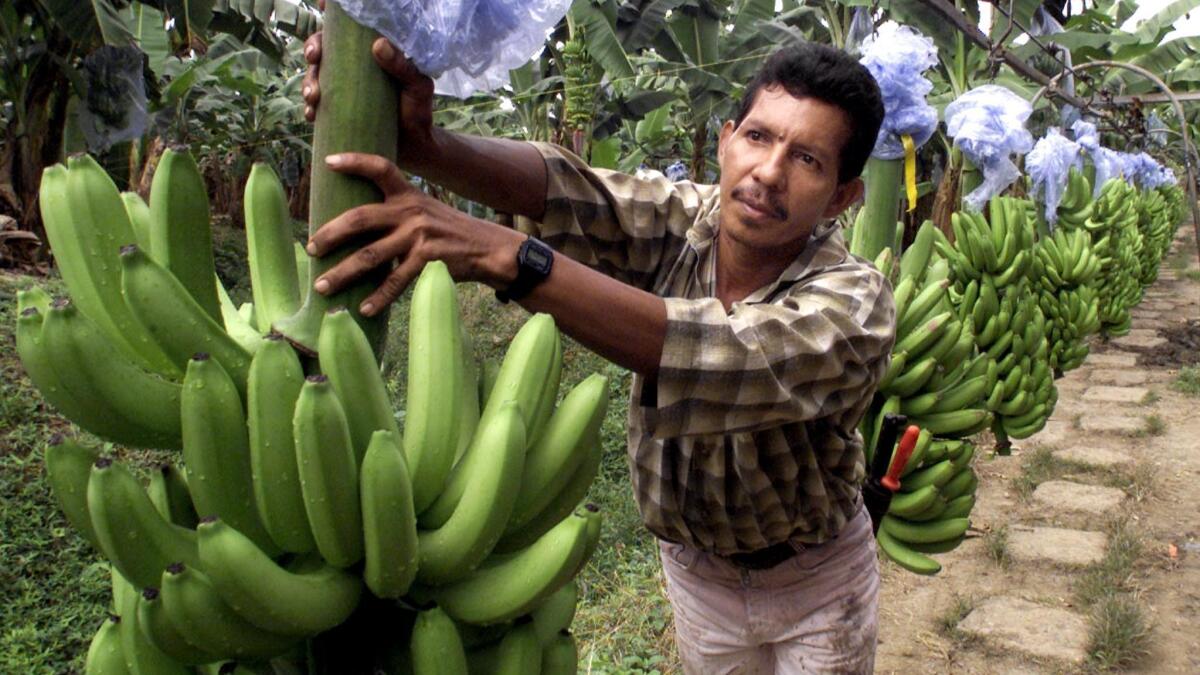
point(846, 194)
point(722, 138)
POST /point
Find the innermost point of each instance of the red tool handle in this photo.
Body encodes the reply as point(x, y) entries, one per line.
point(907, 442)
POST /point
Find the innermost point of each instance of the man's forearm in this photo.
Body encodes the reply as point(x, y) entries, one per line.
point(506, 175)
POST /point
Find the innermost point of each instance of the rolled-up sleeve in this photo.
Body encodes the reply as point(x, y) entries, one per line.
point(624, 226)
point(814, 353)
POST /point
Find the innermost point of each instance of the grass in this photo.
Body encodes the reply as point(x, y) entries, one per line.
point(1119, 632)
point(996, 543)
point(1150, 398)
point(1187, 381)
point(1138, 482)
point(1040, 466)
point(947, 622)
point(1192, 275)
point(1154, 426)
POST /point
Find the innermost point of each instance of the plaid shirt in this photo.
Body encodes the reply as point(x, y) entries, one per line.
point(748, 437)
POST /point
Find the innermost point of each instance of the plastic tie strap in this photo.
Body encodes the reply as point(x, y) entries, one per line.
point(1049, 165)
point(910, 171)
point(466, 46)
point(896, 57)
point(988, 126)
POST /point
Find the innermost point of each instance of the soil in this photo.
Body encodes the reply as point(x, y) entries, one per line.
point(916, 611)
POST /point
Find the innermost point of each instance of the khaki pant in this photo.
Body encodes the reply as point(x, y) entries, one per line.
point(814, 613)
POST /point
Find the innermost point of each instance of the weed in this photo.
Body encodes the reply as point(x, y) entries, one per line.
point(1113, 574)
point(947, 622)
point(1138, 482)
point(1077, 421)
point(996, 541)
point(1038, 467)
point(1192, 275)
point(1188, 381)
point(1150, 398)
point(1155, 426)
point(1120, 633)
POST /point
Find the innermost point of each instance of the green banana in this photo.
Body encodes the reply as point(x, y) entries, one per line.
point(68, 468)
point(389, 521)
point(913, 378)
point(216, 450)
point(560, 656)
point(938, 546)
point(435, 375)
point(168, 491)
point(906, 557)
point(916, 257)
point(959, 507)
point(935, 474)
point(924, 336)
point(302, 277)
point(142, 656)
point(197, 611)
point(522, 378)
point(154, 624)
point(958, 422)
point(328, 472)
point(179, 325)
point(273, 385)
point(239, 327)
point(519, 652)
point(907, 504)
point(468, 400)
point(437, 648)
point(180, 228)
point(86, 224)
point(450, 552)
point(347, 359)
point(270, 251)
point(556, 612)
point(508, 586)
point(105, 655)
point(134, 537)
point(559, 507)
point(920, 308)
point(924, 533)
point(269, 596)
point(961, 395)
point(139, 218)
point(550, 462)
point(95, 371)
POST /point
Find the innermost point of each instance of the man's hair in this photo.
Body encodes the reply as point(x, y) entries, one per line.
point(827, 74)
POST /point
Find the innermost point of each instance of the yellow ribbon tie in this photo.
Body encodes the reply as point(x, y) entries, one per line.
point(910, 170)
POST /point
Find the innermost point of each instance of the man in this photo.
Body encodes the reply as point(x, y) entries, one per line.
point(756, 340)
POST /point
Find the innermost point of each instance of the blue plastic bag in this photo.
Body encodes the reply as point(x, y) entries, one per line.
point(1155, 129)
point(1143, 170)
point(862, 26)
point(464, 45)
point(988, 125)
point(115, 102)
point(896, 58)
point(1049, 164)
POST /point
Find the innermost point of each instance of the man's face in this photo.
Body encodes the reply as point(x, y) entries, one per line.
point(779, 172)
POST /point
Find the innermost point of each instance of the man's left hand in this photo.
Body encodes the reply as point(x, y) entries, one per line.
point(409, 228)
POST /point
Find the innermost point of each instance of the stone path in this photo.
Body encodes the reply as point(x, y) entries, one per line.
point(1022, 618)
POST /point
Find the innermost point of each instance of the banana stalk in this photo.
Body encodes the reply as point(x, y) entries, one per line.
point(875, 227)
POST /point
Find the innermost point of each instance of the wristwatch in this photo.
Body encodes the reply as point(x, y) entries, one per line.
point(534, 260)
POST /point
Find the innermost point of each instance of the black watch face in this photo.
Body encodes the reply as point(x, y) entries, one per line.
point(537, 257)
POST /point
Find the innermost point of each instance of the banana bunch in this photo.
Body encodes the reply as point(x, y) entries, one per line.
point(1156, 227)
point(1115, 219)
point(1076, 206)
point(300, 493)
point(993, 294)
point(1066, 268)
point(930, 513)
point(936, 376)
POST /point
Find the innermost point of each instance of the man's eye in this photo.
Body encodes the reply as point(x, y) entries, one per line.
point(805, 157)
point(754, 135)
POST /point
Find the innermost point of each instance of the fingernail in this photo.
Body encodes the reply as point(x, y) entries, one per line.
point(386, 51)
point(311, 248)
point(322, 286)
point(366, 309)
point(308, 50)
point(306, 91)
point(333, 160)
point(308, 111)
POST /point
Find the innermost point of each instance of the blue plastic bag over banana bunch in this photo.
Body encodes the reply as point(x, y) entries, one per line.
point(897, 56)
point(1156, 130)
point(1106, 161)
point(862, 27)
point(1142, 170)
point(464, 45)
point(988, 125)
point(1049, 164)
point(115, 103)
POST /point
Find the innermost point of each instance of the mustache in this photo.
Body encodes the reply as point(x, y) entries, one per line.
point(761, 198)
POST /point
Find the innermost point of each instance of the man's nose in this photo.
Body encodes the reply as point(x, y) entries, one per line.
point(771, 170)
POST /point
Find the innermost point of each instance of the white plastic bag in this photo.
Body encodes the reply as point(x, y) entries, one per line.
point(464, 45)
point(1049, 165)
point(988, 125)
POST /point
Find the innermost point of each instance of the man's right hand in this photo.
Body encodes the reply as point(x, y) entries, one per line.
point(416, 138)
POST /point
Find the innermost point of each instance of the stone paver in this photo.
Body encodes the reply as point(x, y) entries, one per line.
point(1093, 456)
point(1142, 332)
point(1119, 424)
point(1056, 433)
point(1120, 378)
point(1064, 495)
point(1029, 628)
point(1112, 360)
point(1156, 324)
point(1077, 548)
point(1159, 306)
point(1139, 343)
point(1105, 394)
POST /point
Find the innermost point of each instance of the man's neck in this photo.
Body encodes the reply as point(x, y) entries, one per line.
point(742, 271)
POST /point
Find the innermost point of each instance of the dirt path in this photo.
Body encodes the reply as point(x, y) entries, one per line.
point(1118, 464)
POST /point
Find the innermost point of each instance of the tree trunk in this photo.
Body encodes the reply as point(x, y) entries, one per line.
point(699, 161)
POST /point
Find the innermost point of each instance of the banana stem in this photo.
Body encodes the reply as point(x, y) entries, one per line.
point(1003, 444)
point(972, 178)
point(876, 226)
point(358, 89)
